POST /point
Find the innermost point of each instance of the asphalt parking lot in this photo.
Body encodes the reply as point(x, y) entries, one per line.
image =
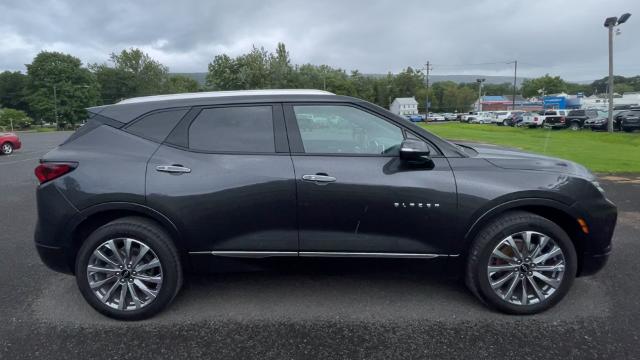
point(371, 311)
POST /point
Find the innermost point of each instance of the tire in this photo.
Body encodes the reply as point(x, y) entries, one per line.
point(626, 129)
point(505, 123)
point(6, 148)
point(142, 232)
point(574, 126)
point(479, 280)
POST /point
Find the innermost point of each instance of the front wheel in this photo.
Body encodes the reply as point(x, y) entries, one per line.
point(6, 148)
point(521, 263)
point(128, 269)
point(574, 126)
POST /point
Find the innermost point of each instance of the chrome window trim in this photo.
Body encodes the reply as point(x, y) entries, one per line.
point(264, 254)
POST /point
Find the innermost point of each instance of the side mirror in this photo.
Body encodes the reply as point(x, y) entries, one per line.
point(415, 151)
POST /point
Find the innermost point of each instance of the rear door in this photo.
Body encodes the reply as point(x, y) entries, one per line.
point(225, 177)
point(355, 196)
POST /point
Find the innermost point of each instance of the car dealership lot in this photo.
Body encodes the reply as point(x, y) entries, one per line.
point(369, 309)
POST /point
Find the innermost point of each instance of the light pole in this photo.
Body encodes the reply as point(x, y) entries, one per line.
point(611, 23)
point(480, 81)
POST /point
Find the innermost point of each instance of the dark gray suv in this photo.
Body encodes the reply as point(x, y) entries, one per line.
point(150, 187)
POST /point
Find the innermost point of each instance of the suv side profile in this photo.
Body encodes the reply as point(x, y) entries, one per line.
point(152, 186)
point(576, 118)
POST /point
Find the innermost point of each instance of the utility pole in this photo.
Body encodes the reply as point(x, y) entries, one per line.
point(515, 77)
point(480, 81)
point(428, 69)
point(611, 23)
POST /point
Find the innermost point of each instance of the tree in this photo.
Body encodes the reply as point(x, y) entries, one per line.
point(134, 73)
point(550, 85)
point(181, 84)
point(14, 119)
point(58, 83)
point(280, 69)
point(12, 90)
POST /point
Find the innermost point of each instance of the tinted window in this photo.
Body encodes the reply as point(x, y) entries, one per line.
point(346, 130)
point(243, 128)
point(157, 125)
point(576, 113)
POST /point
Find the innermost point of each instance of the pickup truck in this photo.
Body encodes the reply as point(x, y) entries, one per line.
point(574, 120)
point(555, 118)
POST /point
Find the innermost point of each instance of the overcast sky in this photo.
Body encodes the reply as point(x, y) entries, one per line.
point(565, 38)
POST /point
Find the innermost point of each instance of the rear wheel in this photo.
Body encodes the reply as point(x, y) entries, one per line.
point(6, 148)
point(574, 126)
point(129, 269)
point(521, 263)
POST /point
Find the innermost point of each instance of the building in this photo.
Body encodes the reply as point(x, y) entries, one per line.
point(404, 106)
point(505, 102)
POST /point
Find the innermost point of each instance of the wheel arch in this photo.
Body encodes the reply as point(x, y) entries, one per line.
point(88, 220)
point(561, 214)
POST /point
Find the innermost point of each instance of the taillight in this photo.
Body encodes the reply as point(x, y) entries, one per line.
point(535, 118)
point(562, 119)
point(48, 171)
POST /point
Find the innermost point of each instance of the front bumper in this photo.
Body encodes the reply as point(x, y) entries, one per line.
point(596, 126)
point(601, 219)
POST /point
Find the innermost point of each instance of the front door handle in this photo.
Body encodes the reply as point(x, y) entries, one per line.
point(319, 178)
point(173, 169)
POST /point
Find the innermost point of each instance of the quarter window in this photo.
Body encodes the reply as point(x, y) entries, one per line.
point(233, 129)
point(335, 129)
point(157, 125)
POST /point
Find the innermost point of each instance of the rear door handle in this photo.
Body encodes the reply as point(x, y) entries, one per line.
point(319, 178)
point(173, 169)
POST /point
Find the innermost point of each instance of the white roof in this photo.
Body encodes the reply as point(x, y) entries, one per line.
point(210, 94)
point(406, 101)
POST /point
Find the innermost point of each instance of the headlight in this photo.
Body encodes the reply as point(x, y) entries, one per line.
point(597, 185)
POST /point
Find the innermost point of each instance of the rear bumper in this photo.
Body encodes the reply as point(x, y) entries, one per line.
point(555, 125)
point(51, 236)
point(55, 258)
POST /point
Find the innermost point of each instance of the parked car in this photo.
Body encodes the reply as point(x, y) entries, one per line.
point(576, 118)
point(229, 177)
point(465, 117)
point(532, 119)
point(555, 118)
point(9, 142)
point(630, 121)
point(435, 117)
point(450, 116)
point(481, 117)
point(415, 118)
point(513, 120)
point(602, 121)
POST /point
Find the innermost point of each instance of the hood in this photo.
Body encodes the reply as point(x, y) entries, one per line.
point(507, 158)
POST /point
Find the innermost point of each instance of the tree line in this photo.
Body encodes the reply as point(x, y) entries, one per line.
point(57, 87)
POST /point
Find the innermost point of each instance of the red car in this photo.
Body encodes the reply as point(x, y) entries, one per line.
point(8, 143)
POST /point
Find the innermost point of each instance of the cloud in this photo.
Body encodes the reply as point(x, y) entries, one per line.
point(459, 37)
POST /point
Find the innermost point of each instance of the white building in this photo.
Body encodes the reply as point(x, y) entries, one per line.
point(404, 106)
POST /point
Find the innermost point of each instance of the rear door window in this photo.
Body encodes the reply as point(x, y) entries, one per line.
point(233, 129)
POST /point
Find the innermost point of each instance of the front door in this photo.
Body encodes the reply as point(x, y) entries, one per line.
point(355, 196)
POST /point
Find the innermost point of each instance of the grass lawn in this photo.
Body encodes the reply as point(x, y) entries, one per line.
point(599, 151)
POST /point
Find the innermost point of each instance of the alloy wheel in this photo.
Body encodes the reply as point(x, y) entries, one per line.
point(7, 149)
point(526, 268)
point(124, 274)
